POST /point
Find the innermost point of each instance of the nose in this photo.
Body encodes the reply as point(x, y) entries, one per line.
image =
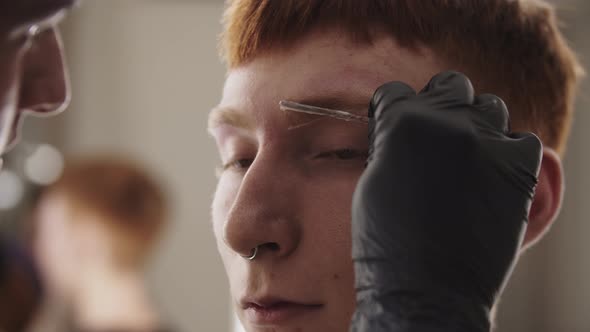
point(45, 86)
point(264, 213)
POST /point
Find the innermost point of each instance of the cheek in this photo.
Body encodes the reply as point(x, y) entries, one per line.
point(328, 217)
point(328, 228)
point(331, 198)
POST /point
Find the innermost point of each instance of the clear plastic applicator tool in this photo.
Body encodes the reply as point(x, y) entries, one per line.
point(286, 105)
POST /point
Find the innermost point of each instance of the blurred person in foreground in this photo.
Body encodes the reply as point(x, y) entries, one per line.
point(449, 193)
point(33, 80)
point(93, 232)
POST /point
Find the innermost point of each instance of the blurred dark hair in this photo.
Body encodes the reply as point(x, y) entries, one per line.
point(20, 287)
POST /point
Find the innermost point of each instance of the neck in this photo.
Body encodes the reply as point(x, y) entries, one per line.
point(109, 299)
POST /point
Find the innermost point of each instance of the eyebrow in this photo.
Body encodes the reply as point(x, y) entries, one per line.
point(229, 116)
point(286, 105)
point(353, 103)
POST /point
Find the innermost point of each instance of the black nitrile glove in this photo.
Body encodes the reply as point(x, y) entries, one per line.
point(440, 212)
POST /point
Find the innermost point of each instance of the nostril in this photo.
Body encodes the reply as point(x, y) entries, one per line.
point(272, 246)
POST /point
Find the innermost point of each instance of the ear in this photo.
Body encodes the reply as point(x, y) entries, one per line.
point(548, 197)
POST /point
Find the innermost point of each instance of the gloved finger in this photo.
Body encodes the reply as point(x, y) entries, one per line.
point(494, 111)
point(530, 148)
point(387, 95)
point(530, 151)
point(450, 87)
point(384, 97)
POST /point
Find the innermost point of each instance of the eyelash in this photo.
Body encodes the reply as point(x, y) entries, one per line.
point(237, 164)
point(243, 164)
point(344, 154)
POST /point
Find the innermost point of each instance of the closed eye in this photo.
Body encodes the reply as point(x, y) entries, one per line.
point(344, 154)
point(241, 164)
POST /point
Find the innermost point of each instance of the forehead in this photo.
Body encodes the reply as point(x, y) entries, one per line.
point(327, 62)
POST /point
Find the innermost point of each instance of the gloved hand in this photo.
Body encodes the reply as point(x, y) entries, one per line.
point(440, 212)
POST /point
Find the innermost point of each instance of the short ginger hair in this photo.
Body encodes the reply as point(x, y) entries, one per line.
point(511, 48)
point(125, 198)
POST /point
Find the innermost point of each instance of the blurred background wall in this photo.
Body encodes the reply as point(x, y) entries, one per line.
point(144, 75)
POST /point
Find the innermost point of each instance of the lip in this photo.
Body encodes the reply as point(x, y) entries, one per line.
point(273, 311)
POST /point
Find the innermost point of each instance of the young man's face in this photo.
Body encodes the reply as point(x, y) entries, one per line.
point(288, 179)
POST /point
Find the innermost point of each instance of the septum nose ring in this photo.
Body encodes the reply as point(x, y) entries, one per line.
point(33, 31)
point(253, 255)
point(31, 35)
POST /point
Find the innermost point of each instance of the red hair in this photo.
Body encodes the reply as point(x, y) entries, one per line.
point(512, 48)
